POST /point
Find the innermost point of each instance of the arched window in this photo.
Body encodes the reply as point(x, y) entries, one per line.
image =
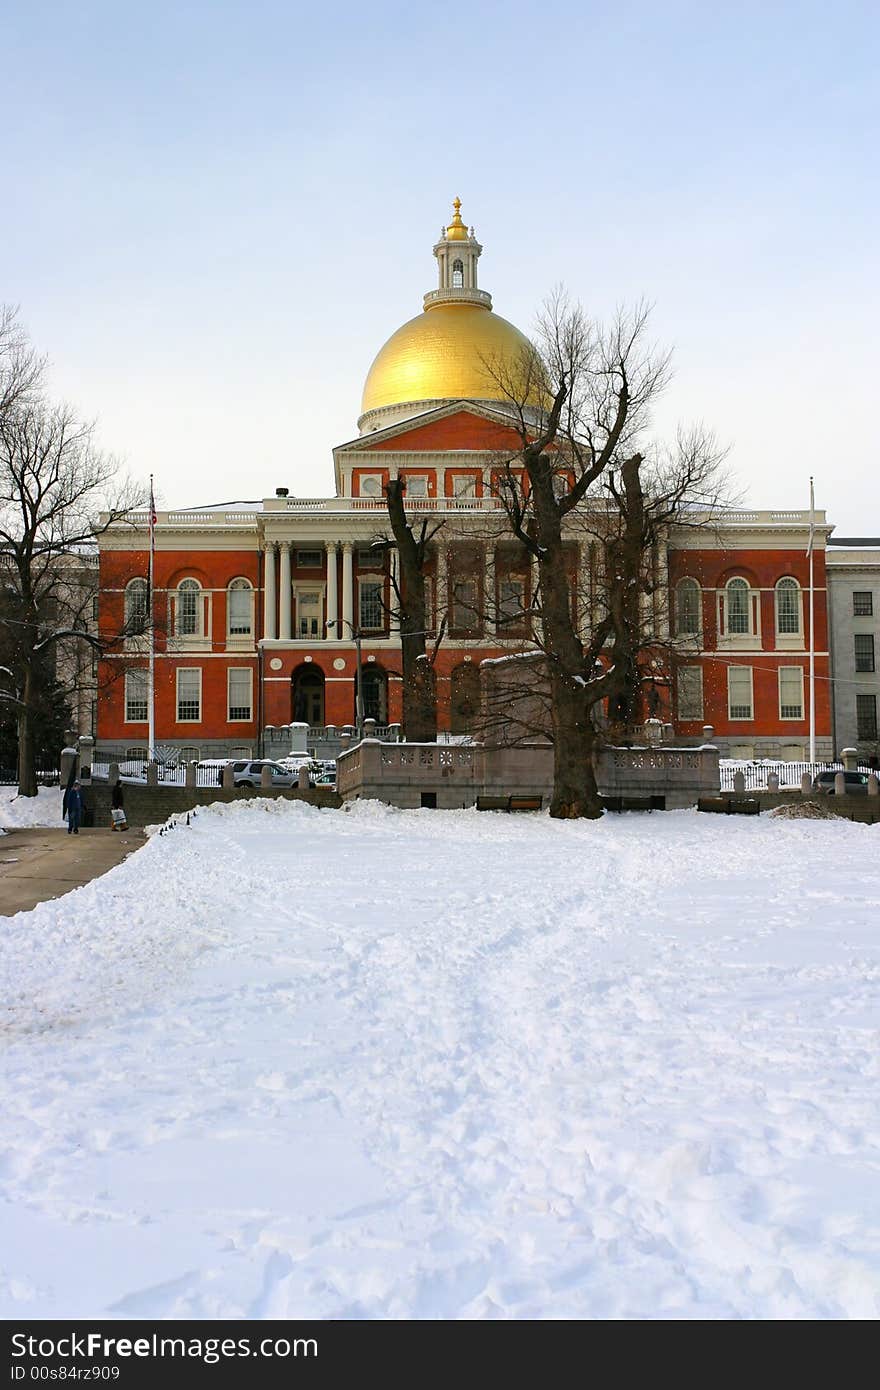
point(457, 275)
point(788, 608)
point(240, 608)
point(687, 608)
point(188, 600)
point(738, 607)
point(137, 597)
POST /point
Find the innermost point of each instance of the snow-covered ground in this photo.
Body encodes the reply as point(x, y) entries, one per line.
point(290, 1062)
point(21, 812)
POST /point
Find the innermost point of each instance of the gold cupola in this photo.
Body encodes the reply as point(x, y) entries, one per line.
point(442, 354)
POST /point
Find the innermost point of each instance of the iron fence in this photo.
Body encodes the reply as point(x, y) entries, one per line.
point(789, 774)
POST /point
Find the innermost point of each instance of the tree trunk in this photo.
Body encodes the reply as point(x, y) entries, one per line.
point(419, 690)
point(27, 772)
point(575, 794)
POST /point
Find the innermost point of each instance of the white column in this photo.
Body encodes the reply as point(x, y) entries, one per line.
point(664, 595)
point(347, 593)
point(269, 593)
point(285, 594)
point(333, 629)
point(490, 600)
point(394, 615)
point(442, 595)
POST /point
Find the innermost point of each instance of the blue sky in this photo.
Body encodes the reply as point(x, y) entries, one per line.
point(220, 211)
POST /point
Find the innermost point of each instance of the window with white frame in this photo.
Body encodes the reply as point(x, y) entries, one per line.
point(738, 608)
point(189, 602)
point(416, 487)
point(689, 692)
point(137, 602)
point(463, 486)
point(371, 485)
point(739, 692)
point(370, 614)
point(137, 693)
point(239, 693)
point(560, 485)
point(189, 694)
point(791, 692)
point(788, 608)
point(308, 614)
point(240, 608)
point(309, 559)
point(687, 608)
point(457, 275)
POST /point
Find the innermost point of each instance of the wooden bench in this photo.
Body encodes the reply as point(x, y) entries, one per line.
point(510, 803)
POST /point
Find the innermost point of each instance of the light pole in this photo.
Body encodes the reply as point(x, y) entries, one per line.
point(359, 697)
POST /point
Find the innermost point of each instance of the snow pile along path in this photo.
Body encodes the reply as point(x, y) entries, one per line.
point(25, 812)
point(291, 1062)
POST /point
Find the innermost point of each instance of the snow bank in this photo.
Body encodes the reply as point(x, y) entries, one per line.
point(21, 812)
point(372, 1063)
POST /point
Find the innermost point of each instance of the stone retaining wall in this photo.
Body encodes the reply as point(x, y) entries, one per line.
point(152, 805)
point(452, 776)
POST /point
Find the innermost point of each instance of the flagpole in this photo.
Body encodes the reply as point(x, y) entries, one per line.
point(151, 694)
point(812, 633)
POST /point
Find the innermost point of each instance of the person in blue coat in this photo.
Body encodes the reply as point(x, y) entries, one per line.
point(74, 809)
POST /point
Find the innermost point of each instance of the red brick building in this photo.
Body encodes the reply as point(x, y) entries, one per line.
point(259, 608)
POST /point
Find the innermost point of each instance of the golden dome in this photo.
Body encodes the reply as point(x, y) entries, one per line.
point(440, 355)
point(456, 231)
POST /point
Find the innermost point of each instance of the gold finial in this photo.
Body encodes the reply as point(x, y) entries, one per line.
point(456, 231)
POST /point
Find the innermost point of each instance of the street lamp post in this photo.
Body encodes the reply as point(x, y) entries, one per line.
point(359, 697)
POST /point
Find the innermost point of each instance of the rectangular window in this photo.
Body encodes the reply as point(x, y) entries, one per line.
point(240, 605)
point(308, 615)
point(864, 651)
point(309, 559)
point(95, 608)
point(371, 614)
point(866, 717)
point(416, 487)
point(370, 559)
point(465, 618)
point(240, 684)
point(189, 693)
point(464, 487)
point(791, 692)
point(136, 695)
point(739, 692)
point(863, 605)
point(689, 692)
point(510, 602)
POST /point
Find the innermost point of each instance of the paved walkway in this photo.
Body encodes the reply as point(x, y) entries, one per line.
point(36, 865)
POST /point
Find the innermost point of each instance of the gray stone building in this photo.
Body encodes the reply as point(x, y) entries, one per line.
point(853, 571)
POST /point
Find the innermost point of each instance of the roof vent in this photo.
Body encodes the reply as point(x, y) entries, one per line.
point(282, 491)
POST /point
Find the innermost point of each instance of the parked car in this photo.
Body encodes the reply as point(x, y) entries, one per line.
point(856, 783)
point(249, 774)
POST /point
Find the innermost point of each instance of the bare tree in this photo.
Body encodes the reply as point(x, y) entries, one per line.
point(57, 492)
point(580, 402)
point(418, 677)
